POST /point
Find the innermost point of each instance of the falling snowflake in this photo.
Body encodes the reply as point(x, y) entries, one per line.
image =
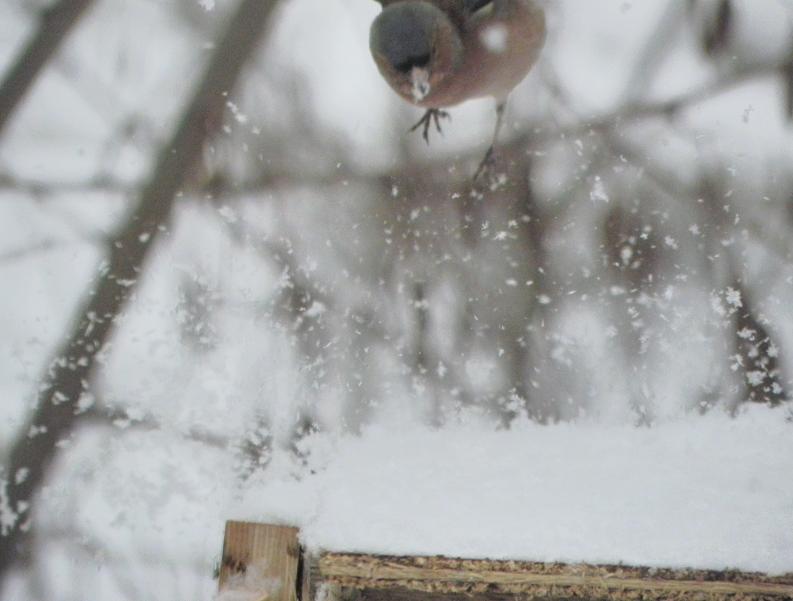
point(495, 38)
point(733, 298)
point(598, 192)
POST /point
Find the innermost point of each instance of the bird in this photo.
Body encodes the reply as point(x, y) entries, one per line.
point(436, 54)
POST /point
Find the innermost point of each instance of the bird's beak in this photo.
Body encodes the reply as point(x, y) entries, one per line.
point(420, 79)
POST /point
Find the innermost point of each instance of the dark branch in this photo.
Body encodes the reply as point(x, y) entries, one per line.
point(56, 22)
point(74, 363)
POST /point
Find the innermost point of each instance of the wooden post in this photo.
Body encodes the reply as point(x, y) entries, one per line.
point(260, 562)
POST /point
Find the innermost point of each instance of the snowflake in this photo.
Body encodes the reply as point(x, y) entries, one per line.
point(755, 378)
point(747, 334)
point(733, 298)
point(495, 38)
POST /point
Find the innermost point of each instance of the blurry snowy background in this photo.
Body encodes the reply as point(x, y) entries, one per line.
point(321, 270)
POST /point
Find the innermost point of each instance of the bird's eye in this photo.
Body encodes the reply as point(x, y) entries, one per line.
point(413, 61)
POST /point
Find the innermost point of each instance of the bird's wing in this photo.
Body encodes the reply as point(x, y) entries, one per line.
point(451, 7)
point(455, 9)
point(471, 6)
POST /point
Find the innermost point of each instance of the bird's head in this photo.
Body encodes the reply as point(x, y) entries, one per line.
point(416, 47)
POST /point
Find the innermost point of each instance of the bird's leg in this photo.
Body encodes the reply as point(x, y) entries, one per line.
point(430, 117)
point(487, 162)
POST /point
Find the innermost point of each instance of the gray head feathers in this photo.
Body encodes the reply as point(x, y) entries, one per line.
point(403, 35)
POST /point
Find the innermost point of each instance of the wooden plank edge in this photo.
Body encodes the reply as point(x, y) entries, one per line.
point(544, 580)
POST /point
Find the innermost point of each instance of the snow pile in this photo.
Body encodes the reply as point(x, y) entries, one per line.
point(701, 492)
point(252, 585)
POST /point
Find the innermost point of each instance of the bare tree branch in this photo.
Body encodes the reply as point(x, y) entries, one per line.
point(121, 420)
point(75, 362)
point(55, 24)
point(439, 170)
point(653, 55)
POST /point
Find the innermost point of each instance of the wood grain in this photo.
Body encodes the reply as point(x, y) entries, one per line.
point(495, 579)
point(261, 559)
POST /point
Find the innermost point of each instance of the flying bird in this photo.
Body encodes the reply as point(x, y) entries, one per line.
point(438, 53)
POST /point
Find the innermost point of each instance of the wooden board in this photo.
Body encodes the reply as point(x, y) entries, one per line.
point(406, 578)
point(261, 562)
point(264, 563)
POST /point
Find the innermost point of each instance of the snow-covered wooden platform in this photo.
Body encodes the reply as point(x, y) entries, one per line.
point(265, 562)
point(710, 492)
point(695, 507)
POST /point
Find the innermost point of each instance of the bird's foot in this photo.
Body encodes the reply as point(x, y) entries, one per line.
point(430, 117)
point(486, 166)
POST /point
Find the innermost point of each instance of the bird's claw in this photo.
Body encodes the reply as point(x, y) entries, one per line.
point(430, 117)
